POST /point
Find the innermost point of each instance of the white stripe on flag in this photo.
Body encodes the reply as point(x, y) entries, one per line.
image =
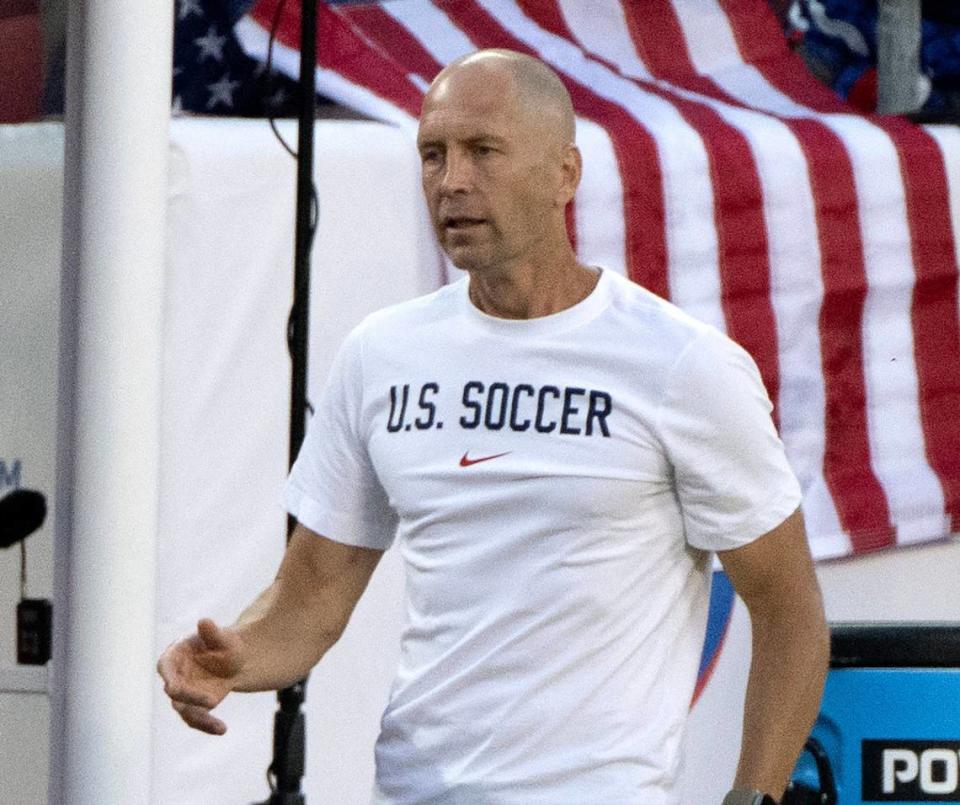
point(441, 39)
point(751, 88)
point(602, 28)
point(710, 39)
point(601, 234)
point(714, 52)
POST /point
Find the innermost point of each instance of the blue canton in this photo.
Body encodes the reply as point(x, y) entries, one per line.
point(211, 73)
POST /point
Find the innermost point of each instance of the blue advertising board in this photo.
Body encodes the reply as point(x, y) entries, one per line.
point(889, 725)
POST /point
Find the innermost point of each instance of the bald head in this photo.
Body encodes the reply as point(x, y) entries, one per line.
point(498, 161)
point(538, 89)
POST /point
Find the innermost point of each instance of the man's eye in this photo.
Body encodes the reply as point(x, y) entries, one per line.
point(429, 157)
point(483, 150)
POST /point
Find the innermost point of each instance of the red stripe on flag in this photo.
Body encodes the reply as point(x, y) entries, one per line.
point(396, 40)
point(936, 328)
point(548, 16)
point(635, 148)
point(742, 242)
point(762, 43)
point(658, 37)
point(339, 48)
point(288, 26)
point(858, 496)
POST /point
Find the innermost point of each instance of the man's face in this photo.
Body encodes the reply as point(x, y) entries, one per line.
point(490, 171)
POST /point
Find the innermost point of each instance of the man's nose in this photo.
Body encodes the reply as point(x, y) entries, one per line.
point(457, 174)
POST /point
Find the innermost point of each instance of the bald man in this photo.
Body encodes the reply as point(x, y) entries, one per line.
point(559, 453)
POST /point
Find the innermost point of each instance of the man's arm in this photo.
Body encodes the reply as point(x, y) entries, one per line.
point(774, 576)
point(278, 638)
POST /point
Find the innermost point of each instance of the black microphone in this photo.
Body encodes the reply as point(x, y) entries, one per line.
point(21, 513)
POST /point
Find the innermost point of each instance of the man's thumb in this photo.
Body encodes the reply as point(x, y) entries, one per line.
point(211, 635)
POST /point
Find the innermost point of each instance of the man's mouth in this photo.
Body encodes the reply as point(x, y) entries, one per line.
point(459, 223)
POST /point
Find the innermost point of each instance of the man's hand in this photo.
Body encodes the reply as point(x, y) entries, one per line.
point(278, 638)
point(199, 671)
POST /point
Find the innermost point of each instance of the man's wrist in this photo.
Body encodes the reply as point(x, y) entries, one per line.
point(748, 796)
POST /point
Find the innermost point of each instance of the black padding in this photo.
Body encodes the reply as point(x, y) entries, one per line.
point(895, 645)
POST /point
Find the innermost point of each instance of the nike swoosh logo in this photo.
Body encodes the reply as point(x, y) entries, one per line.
point(466, 461)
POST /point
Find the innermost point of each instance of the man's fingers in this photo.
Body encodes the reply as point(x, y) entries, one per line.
point(169, 667)
point(197, 672)
point(183, 680)
point(164, 666)
point(183, 694)
point(200, 718)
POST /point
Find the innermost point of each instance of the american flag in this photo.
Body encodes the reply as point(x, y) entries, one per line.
point(721, 175)
point(212, 75)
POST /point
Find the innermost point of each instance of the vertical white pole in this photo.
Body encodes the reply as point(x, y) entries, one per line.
point(119, 68)
point(901, 86)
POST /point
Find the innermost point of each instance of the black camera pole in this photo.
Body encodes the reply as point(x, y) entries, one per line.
point(289, 745)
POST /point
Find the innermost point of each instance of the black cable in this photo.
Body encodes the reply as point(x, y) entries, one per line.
point(272, 120)
point(23, 570)
point(314, 196)
point(274, 24)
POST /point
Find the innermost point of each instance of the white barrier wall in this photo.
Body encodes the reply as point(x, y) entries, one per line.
point(223, 415)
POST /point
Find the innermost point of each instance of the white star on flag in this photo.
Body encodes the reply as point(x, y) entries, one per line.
point(210, 45)
point(188, 7)
point(222, 91)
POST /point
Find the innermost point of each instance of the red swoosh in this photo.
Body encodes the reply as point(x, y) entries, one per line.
point(465, 461)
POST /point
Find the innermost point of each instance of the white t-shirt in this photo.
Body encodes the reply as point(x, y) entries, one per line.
point(556, 486)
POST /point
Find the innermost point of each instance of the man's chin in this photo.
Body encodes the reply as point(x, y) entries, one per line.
point(465, 259)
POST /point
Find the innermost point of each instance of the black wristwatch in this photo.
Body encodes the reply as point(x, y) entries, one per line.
point(746, 796)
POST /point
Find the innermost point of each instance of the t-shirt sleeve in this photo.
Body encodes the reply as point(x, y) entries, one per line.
point(333, 488)
point(731, 473)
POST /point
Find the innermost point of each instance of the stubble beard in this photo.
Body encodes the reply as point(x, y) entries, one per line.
point(477, 255)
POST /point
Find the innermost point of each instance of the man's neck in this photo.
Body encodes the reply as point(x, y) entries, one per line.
point(529, 292)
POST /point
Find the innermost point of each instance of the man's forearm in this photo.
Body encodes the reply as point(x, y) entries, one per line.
point(293, 623)
point(282, 642)
point(283, 639)
point(787, 672)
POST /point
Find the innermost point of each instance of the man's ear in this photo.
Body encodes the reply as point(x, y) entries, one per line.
point(571, 169)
